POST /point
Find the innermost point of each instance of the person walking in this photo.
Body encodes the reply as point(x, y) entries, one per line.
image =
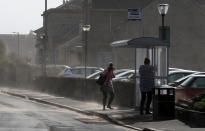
point(107, 87)
point(146, 73)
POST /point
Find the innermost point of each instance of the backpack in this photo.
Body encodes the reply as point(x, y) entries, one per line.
point(101, 80)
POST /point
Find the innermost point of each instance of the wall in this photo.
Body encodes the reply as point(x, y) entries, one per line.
point(74, 88)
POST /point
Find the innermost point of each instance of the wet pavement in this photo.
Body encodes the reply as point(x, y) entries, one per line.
point(125, 117)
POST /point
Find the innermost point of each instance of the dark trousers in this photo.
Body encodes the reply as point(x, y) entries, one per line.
point(148, 96)
point(112, 95)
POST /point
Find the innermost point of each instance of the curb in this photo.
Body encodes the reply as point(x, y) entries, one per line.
point(90, 113)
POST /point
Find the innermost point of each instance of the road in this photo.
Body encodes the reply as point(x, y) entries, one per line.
point(18, 114)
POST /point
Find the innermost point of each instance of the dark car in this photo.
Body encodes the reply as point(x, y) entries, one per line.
point(191, 87)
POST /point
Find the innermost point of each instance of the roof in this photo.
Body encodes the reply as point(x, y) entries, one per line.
point(39, 30)
point(120, 4)
point(72, 4)
point(141, 42)
point(181, 71)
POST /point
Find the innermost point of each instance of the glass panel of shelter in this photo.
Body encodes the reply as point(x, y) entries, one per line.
point(158, 58)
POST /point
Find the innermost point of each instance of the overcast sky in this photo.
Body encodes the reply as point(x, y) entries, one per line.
point(23, 15)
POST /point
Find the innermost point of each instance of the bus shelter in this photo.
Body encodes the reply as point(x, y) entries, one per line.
point(156, 50)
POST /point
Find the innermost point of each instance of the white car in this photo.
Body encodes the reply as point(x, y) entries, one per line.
point(54, 70)
point(124, 75)
point(94, 75)
point(177, 74)
point(79, 71)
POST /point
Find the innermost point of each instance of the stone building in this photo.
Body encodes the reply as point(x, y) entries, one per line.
point(62, 25)
point(108, 20)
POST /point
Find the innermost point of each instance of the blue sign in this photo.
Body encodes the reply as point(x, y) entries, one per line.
point(134, 14)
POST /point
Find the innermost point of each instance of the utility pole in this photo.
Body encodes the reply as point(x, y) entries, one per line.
point(45, 42)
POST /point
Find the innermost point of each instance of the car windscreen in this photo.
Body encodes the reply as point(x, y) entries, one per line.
point(182, 79)
point(187, 82)
point(176, 76)
point(199, 82)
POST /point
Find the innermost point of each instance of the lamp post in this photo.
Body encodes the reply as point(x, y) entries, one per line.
point(164, 32)
point(86, 29)
point(18, 42)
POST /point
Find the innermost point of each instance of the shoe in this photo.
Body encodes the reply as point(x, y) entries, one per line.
point(109, 107)
point(148, 112)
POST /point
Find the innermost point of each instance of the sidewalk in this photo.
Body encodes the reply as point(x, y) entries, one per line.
point(122, 116)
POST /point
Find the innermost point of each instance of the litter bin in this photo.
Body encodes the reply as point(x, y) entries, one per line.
point(164, 103)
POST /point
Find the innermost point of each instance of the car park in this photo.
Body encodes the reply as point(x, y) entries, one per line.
point(191, 87)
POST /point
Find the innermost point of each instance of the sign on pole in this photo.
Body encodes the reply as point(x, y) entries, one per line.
point(134, 14)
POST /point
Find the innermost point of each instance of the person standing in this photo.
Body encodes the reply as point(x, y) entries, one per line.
point(107, 87)
point(146, 73)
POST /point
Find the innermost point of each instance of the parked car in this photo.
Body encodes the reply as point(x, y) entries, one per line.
point(94, 75)
point(181, 80)
point(129, 78)
point(79, 71)
point(191, 87)
point(174, 69)
point(177, 74)
point(124, 75)
point(54, 70)
point(118, 71)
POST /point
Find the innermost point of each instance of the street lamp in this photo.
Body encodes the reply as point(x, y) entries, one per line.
point(163, 9)
point(18, 42)
point(86, 29)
